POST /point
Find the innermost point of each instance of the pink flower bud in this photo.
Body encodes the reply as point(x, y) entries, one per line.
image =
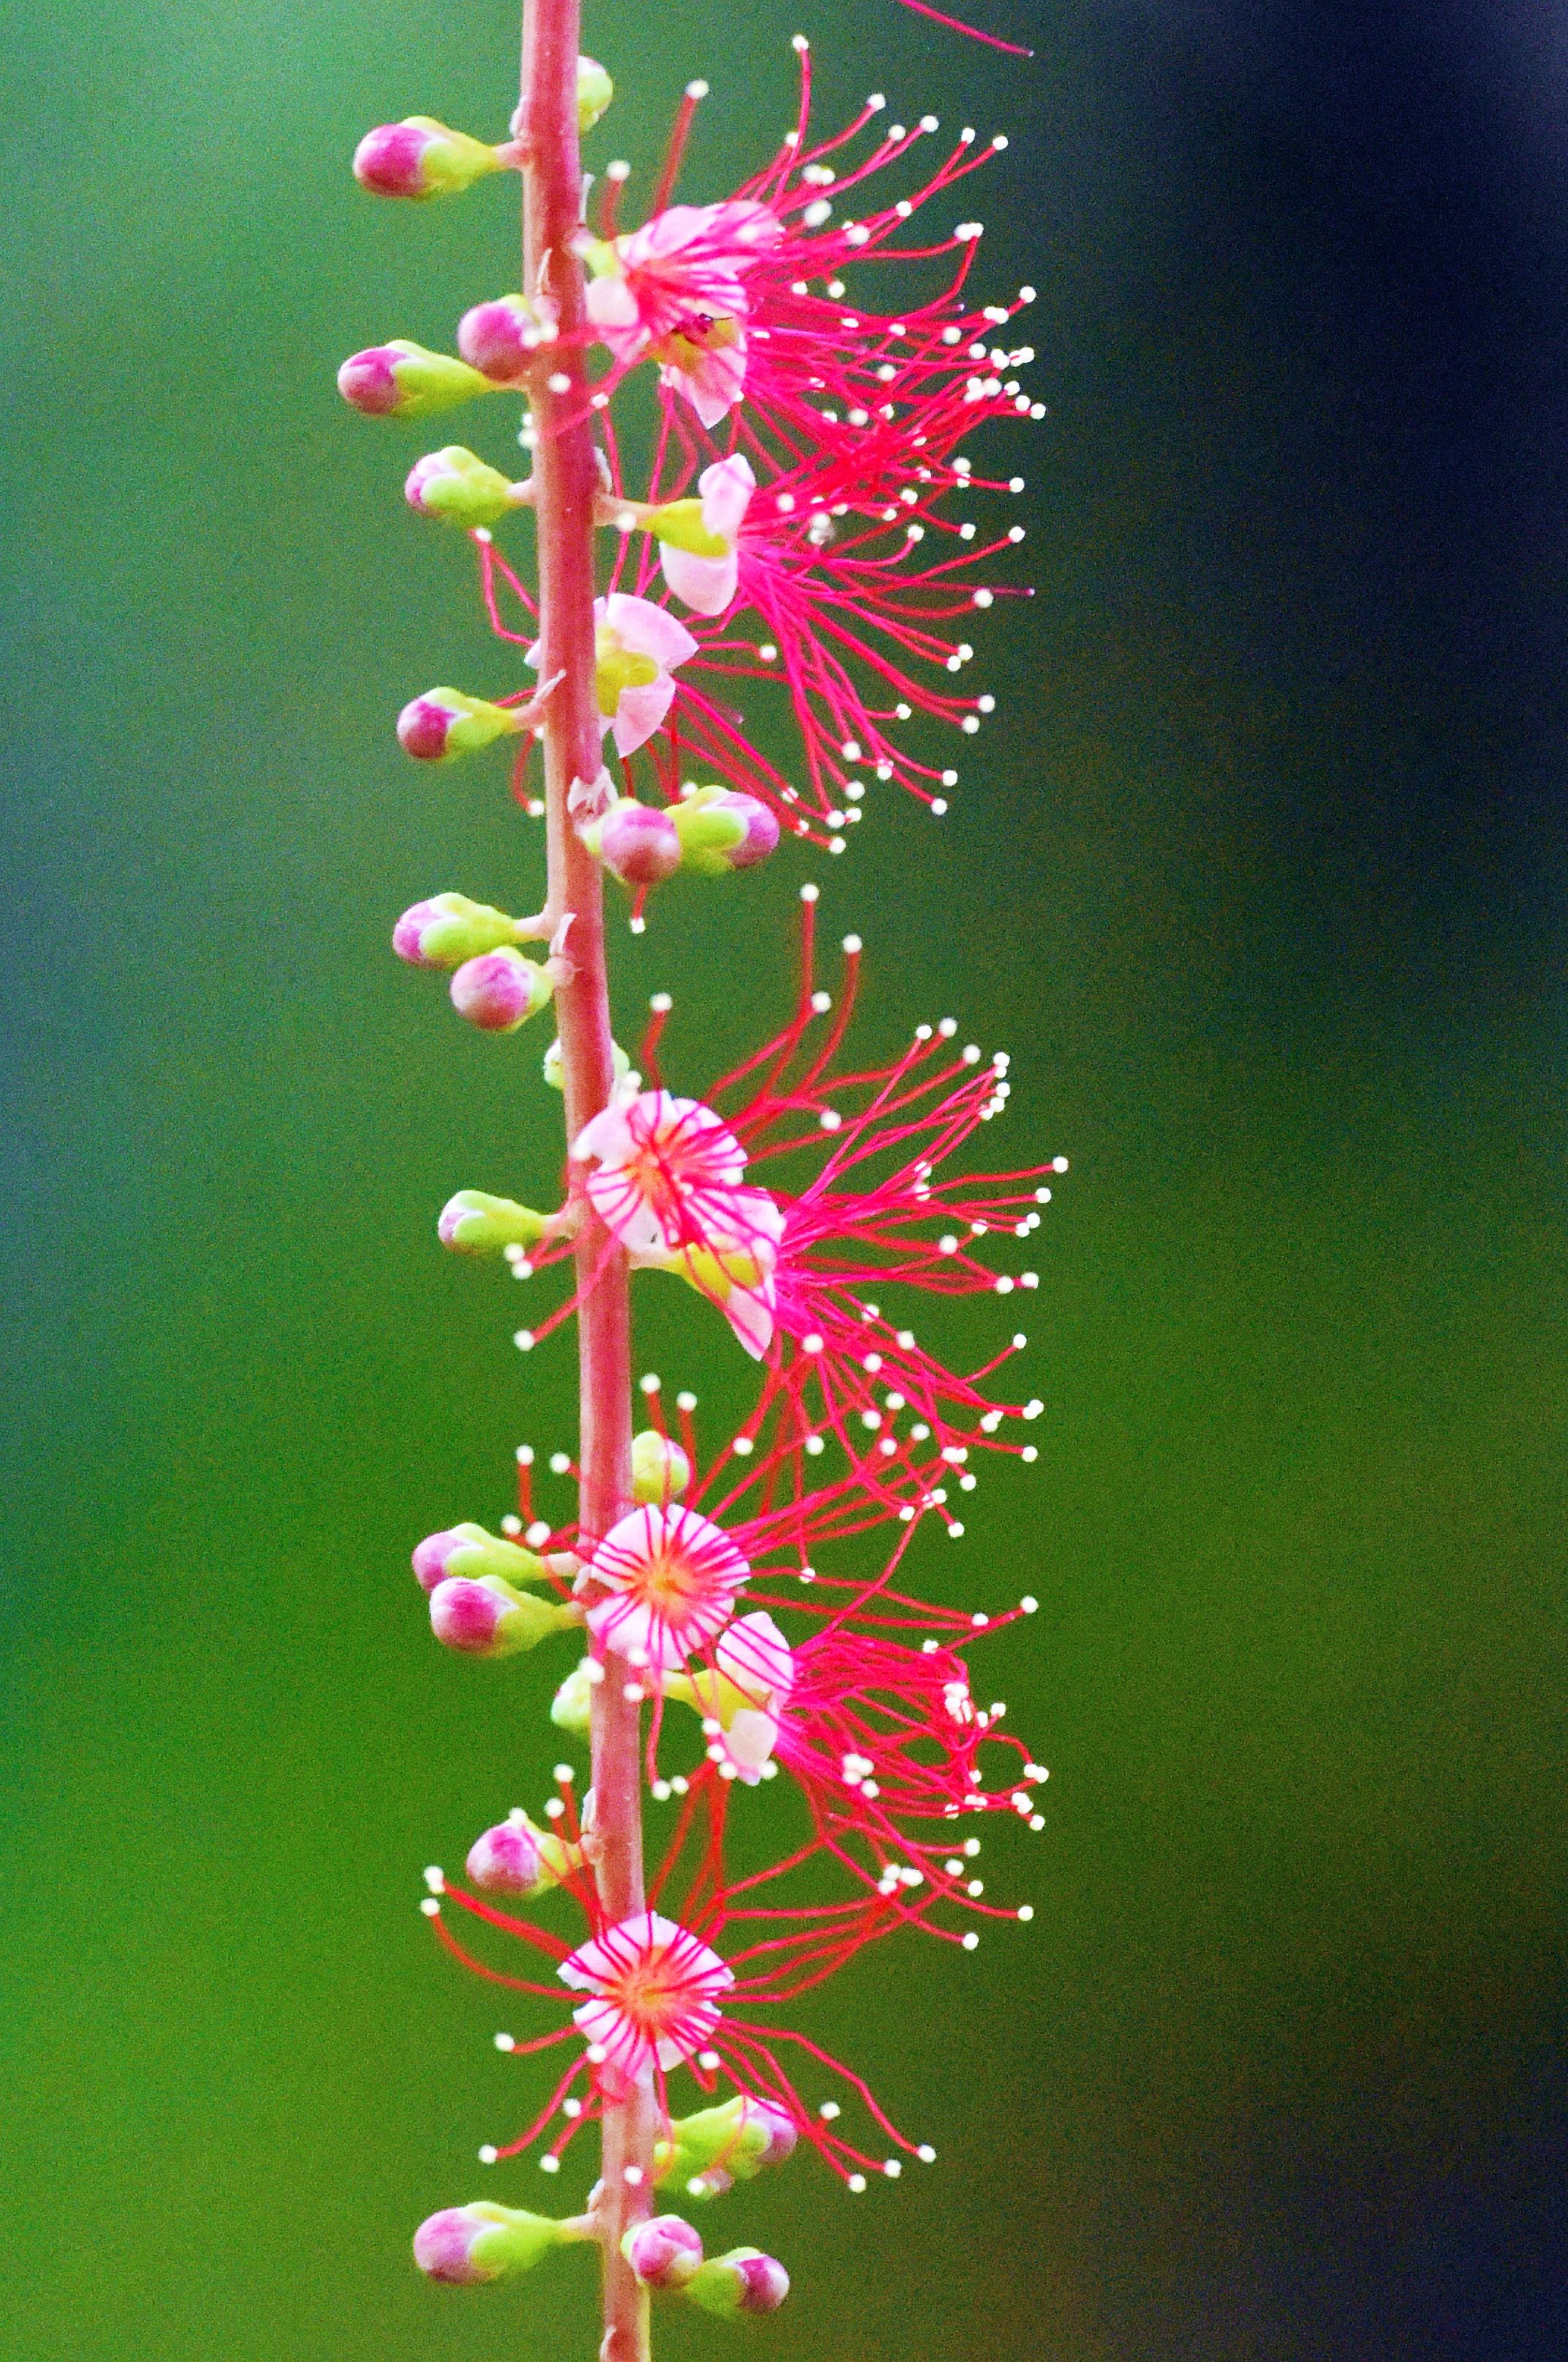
point(499, 991)
point(421, 158)
point(466, 1616)
point(761, 829)
point(446, 721)
point(464, 2246)
point(430, 1555)
point(745, 2281)
point(765, 2283)
point(664, 2253)
point(639, 844)
point(501, 338)
point(444, 2247)
point(449, 929)
point(780, 2131)
point(469, 1549)
point(403, 379)
point(505, 1861)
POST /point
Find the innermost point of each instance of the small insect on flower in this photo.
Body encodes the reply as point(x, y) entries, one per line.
point(675, 292)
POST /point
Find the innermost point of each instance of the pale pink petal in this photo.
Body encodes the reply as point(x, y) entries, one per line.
point(714, 384)
point(706, 585)
point(638, 712)
point(726, 488)
point(749, 1743)
point(755, 1655)
point(749, 1312)
point(606, 1134)
point(646, 630)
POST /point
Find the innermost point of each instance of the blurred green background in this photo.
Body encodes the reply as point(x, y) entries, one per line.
point(1262, 881)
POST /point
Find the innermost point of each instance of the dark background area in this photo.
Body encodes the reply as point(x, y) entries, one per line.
point(1261, 880)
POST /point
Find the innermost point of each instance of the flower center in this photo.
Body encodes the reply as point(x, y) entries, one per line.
point(617, 668)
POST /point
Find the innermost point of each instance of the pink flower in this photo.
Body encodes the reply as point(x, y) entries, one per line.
point(674, 292)
point(667, 1173)
point(672, 1578)
point(734, 1264)
point(638, 643)
point(654, 1992)
point(752, 1677)
point(707, 584)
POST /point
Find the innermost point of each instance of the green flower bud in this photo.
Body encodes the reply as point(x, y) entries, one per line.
point(449, 929)
point(460, 488)
point(469, 1549)
point(473, 1222)
point(660, 1470)
point(556, 1080)
point(708, 833)
point(708, 2151)
point(594, 91)
point(721, 830)
point(571, 1707)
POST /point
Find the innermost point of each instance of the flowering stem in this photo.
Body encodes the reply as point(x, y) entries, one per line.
point(566, 481)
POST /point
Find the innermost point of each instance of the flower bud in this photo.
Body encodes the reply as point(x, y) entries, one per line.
point(721, 830)
point(556, 1080)
point(637, 843)
point(594, 91)
point(745, 2281)
point(664, 2253)
point(500, 990)
point(571, 1708)
point(473, 1222)
point(448, 930)
point(467, 2245)
point(444, 722)
point(421, 158)
point(500, 338)
point(488, 1618)
point(469, 1549)
point(660, 1470)
point(457, 486)
point(706, 2153)
point(505, 1860)
point(519, 1860)
point(402, 379)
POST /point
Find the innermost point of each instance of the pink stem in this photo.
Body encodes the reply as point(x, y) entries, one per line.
point(566, 479)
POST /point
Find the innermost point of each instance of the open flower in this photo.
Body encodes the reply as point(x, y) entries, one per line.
point(674, 292)
point(636, 644)
point(666, 1173)
point(753, 1673)
point(699, 539)
point(654, 1990)
point(734, 1265)
point(672, 1579)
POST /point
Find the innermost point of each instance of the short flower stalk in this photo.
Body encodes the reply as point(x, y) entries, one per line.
point(735, 1609)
